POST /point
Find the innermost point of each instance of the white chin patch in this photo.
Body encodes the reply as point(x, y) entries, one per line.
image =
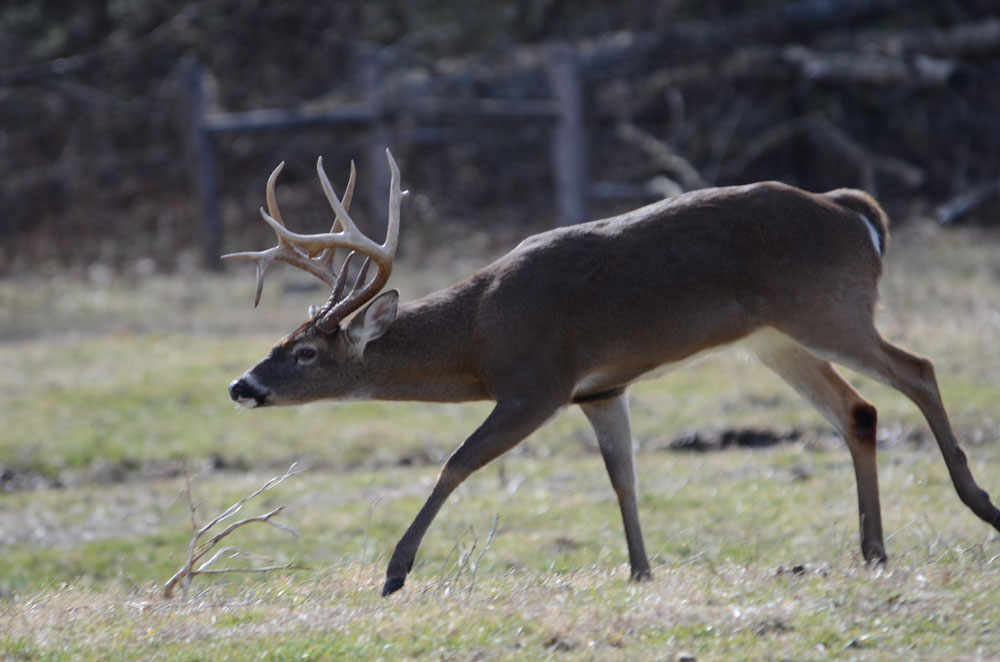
point(259, 397)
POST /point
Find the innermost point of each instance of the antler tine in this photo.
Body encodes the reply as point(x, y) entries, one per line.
point(336, 310)
point(272, 199)
point(328, 255)
point(396, 196)
point(339, 209)
point(350, 236)
point(349, 192)
point(362, 273)
point(285, 251)
point(338, 287)
point(316, 253)
point(263, 259)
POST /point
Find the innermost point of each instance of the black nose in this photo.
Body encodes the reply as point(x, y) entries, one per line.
point(246, 392)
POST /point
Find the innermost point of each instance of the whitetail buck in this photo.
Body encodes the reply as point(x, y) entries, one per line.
point(575, 315)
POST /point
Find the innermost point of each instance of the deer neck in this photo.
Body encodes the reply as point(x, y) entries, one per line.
point(423, 356)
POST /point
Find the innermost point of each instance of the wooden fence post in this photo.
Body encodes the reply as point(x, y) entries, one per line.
point(203, 152)
point(569, 141)
point(370, 56)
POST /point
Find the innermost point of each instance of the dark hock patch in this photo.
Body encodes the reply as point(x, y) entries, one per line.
point(864, 420)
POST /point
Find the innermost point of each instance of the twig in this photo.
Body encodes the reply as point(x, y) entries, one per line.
point(959, 206)
point(832, 138)
point(489, 541)
point(904, 527)
point(664, 156)
point(368, 523)
point(192, 507)
point(204, 566)
point(364, 541)
point(197, 549)
point(456, 549)
point(270, 568)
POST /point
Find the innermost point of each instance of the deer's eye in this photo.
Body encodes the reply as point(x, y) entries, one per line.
point(306, 354)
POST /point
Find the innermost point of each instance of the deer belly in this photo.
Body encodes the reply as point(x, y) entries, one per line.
point(612, 376)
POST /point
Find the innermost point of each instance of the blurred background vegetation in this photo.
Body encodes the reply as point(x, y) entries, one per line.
point(113, 382)
point(900, 97)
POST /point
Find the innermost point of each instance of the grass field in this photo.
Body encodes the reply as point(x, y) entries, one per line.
point(107, 386)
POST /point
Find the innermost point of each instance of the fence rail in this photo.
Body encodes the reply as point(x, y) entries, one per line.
point(563, 113)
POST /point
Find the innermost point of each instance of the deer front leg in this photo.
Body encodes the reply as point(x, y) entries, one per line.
point(507, 425)
point(610, 419)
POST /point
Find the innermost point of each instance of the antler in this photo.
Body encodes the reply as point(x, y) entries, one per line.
point(315, 253)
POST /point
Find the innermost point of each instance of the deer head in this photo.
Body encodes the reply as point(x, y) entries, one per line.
point(304, 366)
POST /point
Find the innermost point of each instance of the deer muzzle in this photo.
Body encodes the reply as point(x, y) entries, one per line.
point(246, 392)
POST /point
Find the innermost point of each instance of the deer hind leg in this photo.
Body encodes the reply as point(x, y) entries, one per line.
point(914, 377)
point(610, 419)
point(850, 414)
point(863, 349)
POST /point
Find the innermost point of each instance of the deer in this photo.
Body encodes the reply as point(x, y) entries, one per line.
point(574, 315)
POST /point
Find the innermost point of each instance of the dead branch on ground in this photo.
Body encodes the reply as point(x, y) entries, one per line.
point(198, 549)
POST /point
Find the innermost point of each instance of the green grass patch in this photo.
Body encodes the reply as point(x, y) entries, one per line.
point(754, 551)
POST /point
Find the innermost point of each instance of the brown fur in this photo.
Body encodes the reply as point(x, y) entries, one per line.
point(577, 314)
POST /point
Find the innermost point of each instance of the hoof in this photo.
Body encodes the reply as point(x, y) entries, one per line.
point(642, 576)
point(392, 584)
point(875, 556)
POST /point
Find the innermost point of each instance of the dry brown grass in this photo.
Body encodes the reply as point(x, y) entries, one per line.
point(754, 551)
point(726, 612)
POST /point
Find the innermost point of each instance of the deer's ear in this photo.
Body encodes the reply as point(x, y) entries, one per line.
point(373, 321)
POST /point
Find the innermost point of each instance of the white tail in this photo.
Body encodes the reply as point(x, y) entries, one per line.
point(577, 314)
